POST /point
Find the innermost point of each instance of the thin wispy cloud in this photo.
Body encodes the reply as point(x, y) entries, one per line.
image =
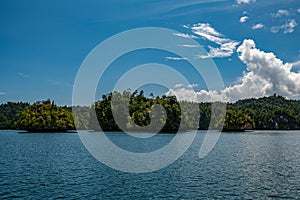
point(175, 58)
point(188, 45)
point(50, 81)
point(178, 85)
point(258, 26)
point(296, 64)
point(2, 93)
point(225, 50)
point(183, 4)
point(183, 35)
point(239, 2)
point(59, 83)
point(280, 13)
point(207, 32)
point(288, 27)
point(23, 75)
point(186, 8)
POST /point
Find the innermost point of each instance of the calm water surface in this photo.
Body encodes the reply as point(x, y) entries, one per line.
point(250, 165)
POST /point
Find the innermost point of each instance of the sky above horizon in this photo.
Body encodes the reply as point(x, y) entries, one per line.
point(254, 43)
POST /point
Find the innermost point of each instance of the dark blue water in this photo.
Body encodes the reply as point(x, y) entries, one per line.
point(241, 166)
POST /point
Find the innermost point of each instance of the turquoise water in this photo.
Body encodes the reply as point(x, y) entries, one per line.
point(242, 165)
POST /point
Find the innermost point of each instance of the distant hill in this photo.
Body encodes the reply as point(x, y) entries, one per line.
point(273, 112)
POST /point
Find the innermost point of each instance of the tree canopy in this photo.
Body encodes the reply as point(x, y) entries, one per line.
point(9, 114)
point(136, 112)
point(45, 116)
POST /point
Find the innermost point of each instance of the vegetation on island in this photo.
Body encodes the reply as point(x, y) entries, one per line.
point(271, 113)
point(141, 113)
point(134, 110)
point(45, 116)
point(9, 114)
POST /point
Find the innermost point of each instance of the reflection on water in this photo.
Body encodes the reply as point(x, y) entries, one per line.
point(242, 165)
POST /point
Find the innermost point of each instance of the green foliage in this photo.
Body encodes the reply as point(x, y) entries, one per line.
point(9, 112)
point(236, 119)
point(45, 116)
point(134, 110)
point(137, 110)
point(274, 112)
point(81, 117)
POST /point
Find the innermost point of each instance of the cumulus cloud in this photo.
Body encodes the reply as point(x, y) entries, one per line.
point(188, 94)
point(280, 13)
point(185, 35)
point(266, 74)
point(288, 27)
point(298, 10)
point(244, 1)
point(207, 32)
point(258, 26)
point(175, 58)
point(244, 19)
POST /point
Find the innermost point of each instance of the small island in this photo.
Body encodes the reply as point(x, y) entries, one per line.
point(45, 116)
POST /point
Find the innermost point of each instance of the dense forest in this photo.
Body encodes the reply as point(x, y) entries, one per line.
point(136, 112)
point(45, 116)
point(9, 114)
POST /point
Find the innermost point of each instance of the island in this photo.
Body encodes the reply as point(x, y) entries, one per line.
point(267, 113)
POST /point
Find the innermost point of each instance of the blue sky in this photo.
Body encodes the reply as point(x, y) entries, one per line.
point(255, 44)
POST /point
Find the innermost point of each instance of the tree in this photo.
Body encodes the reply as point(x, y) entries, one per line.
point(237, 120)
point(45, 116)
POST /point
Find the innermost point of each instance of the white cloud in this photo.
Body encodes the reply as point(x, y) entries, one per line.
point(188, 94)
point(296, 64)
point(280, 13)
point(298, 10)
point(204, 29)
point(185, 35)
point(225, 50)
point(244, 19)
point(244, 1)
point(188, 45)
point(2, 93)
point(265, 75)
point(192, 85)
point(207, 32)
point(288, 27)
point(275, 29)
point(258, 26)
point(178, 85)
point(175, 58)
